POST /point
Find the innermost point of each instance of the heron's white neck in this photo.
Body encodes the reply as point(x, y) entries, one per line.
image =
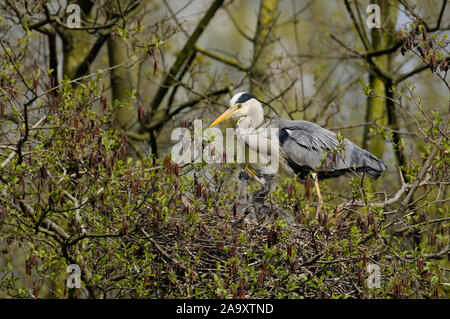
point(254, 116)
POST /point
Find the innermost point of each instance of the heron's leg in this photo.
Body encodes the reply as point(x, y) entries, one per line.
point(319, 196)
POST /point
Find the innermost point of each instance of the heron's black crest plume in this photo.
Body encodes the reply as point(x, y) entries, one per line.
point(271, 107)
point(245, 97)
point(248, 96)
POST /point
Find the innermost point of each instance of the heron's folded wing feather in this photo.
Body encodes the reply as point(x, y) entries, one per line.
point(306, 145)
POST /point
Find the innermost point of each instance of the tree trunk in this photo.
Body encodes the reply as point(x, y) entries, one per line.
point(376, 105)
point(76, 44)
point(121, 84)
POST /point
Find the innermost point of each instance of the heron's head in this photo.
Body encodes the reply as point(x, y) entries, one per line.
point(241, 104)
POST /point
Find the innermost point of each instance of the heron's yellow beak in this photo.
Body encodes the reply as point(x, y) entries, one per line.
point(251, 172)
point(224, 116)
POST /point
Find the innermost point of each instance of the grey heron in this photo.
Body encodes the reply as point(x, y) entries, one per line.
point(303, 148)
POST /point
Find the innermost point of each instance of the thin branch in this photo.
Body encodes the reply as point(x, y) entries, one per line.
point(237, 27)
point(441, 14)
point(13, 153)
point(222, 59)
point(397, 45)
point(415, 71)
point(183, 56)
point(385, 76)
point(361, 34)
point(167, 115)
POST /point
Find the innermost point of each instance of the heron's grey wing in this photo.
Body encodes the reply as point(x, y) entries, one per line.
point(305, 147)
point(310, 136)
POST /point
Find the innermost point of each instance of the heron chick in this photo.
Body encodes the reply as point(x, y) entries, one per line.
point(303, 148)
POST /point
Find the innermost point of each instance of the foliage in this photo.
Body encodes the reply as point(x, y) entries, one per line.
point(140, 230)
